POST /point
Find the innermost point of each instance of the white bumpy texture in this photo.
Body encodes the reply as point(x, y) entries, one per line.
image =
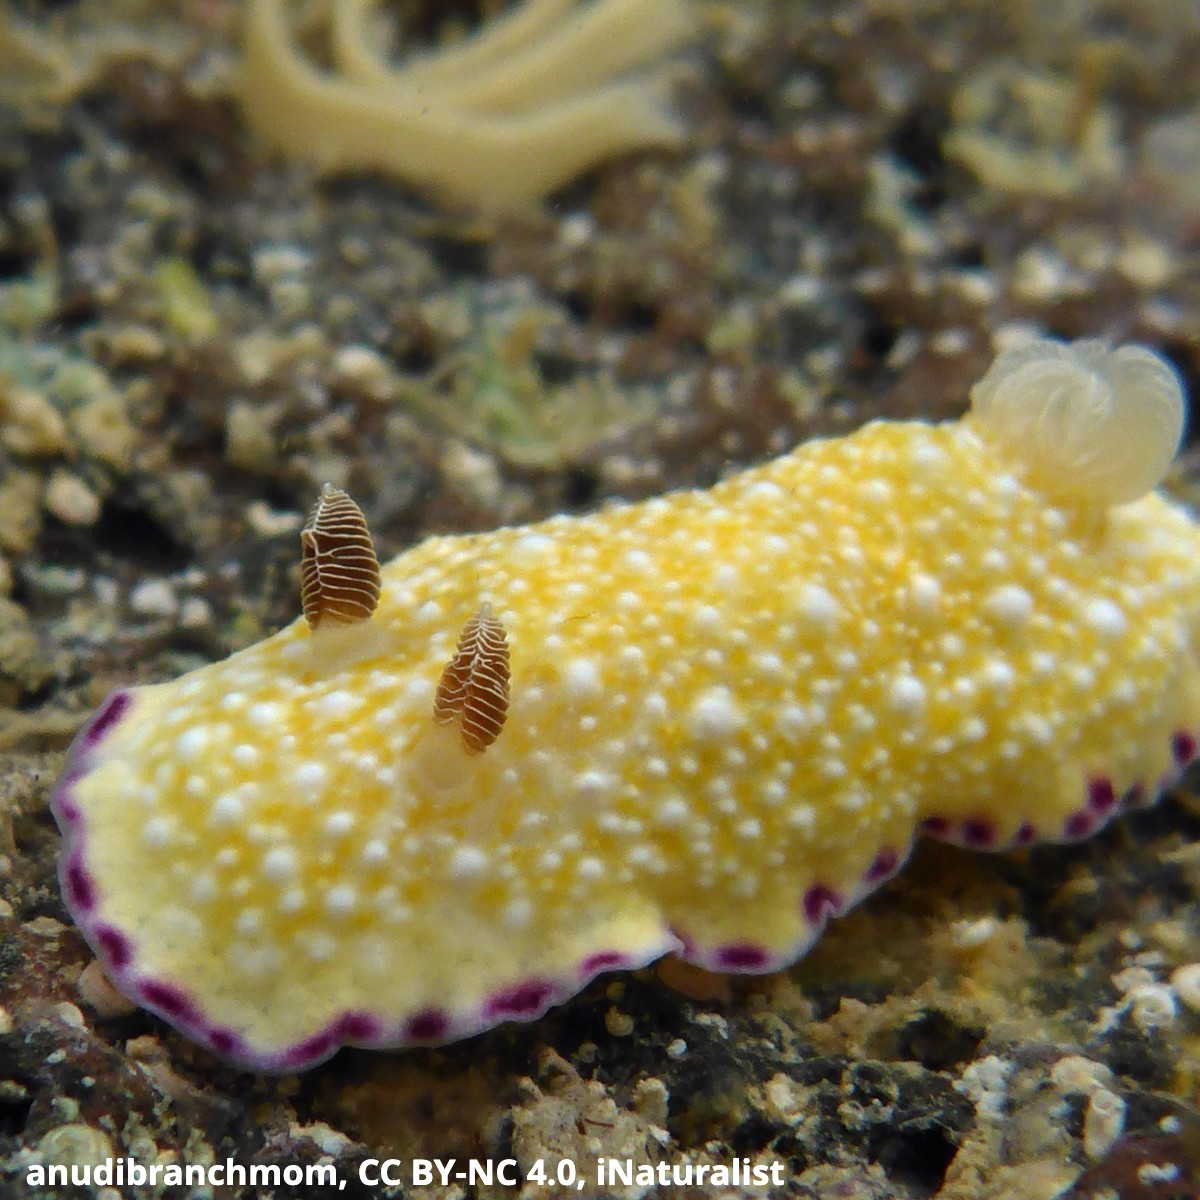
point(1091, 423)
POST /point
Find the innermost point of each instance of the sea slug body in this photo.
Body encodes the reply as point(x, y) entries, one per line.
point(729, 712)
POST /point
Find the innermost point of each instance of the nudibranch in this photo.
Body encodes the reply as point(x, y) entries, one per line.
point(728, 713)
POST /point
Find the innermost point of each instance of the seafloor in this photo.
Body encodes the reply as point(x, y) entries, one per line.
point(193, 336)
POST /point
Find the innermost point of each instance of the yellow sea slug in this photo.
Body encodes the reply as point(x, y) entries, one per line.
point(718, 719)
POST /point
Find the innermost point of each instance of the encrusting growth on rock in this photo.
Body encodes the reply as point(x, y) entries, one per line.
point(732, 713)
point(339, 573)
point(473, 690)
point(535, 98)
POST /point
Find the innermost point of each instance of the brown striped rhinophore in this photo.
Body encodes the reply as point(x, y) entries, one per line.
point(339, 573)
point(473, 690)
